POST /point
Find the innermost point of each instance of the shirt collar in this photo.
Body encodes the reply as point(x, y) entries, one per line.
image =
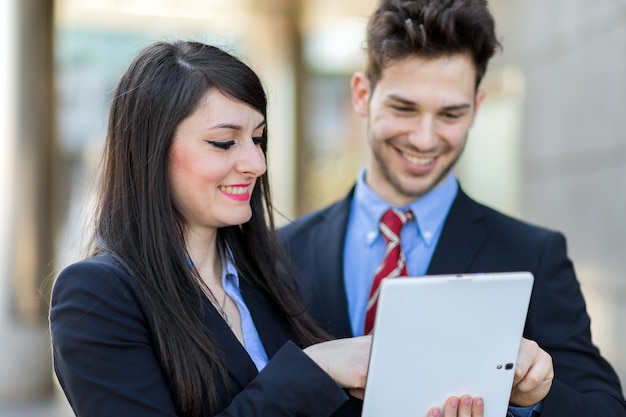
point(429, 211)
point(229, 271)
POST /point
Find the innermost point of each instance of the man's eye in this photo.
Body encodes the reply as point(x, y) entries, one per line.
point(452, 116)
point(403, 109)
point(258, 140)
point(221, 144)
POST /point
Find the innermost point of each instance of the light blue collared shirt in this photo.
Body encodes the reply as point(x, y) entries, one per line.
point(251, 340)
point(365, 247)
point(526, 411)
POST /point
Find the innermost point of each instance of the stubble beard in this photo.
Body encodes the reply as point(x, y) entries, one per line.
point(396, 182)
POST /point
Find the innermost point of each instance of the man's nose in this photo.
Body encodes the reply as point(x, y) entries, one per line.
point(422, 135)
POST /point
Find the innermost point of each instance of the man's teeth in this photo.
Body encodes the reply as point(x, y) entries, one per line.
point(234, 190)
point(418, 160)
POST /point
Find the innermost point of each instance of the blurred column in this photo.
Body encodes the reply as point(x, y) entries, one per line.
point(26, 185)
point(274, 50)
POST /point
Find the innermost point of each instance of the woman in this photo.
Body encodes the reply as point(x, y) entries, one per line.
point(185, 305)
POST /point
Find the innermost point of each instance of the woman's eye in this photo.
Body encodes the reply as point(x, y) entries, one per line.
point(221, 144)
point(258, 140)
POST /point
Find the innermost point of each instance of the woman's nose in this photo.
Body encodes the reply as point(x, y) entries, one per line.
point(252, 160)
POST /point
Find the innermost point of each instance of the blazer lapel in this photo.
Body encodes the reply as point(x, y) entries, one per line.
point(462, 236)
point(329, 288)
point(272, 328)
point(238, 363)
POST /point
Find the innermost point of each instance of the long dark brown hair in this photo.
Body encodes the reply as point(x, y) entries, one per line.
point(137, 222)
point(430, 29)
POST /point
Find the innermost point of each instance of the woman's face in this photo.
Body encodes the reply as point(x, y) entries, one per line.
point(214, 161)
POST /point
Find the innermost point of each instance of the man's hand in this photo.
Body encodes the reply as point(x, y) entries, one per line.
point(465, 406)
point(533, 375)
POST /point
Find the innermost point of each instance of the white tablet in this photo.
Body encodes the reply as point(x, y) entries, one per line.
point(438, 336)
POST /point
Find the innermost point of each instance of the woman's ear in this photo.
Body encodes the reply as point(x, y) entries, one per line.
point(361, 90)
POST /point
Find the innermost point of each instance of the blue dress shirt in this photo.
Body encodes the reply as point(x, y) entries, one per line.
point(365, 247)
point(251, 340)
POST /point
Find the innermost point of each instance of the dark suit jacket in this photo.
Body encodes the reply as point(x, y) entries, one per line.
point(476, 238)
point(106, 357)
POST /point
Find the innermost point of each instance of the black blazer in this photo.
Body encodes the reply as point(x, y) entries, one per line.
point(476, 238)
point(107, 362)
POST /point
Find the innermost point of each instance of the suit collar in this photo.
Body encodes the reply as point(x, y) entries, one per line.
point(238, 363)
point(329, 290)
point(272, 328)
point(273, 331)
point(462, 236)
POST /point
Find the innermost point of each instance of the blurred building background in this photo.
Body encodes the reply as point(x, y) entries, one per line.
point(548, 145)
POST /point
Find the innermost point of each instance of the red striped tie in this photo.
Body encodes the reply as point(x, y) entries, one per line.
point(393, 265)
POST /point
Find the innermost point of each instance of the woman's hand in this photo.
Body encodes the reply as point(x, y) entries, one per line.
point(345, 360)
point(465, 406)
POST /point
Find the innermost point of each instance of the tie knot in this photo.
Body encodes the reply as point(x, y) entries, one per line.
point(394, 219)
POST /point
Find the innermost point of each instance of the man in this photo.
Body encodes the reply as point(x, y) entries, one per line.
point(420, 96)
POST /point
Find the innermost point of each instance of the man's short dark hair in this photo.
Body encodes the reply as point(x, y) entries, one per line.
point(430, 29)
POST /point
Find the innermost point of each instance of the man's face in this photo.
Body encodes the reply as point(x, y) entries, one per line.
point(419, 114)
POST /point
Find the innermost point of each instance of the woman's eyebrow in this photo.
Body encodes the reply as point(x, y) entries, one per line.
point(233, 126)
